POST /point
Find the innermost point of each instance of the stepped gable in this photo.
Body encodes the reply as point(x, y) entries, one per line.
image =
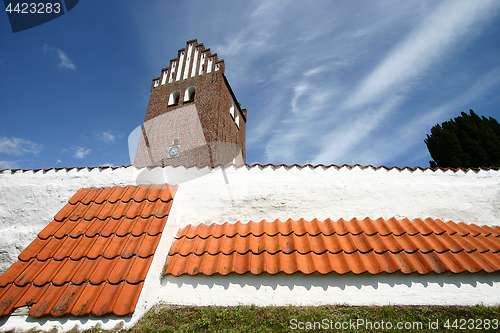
point(357, 246)
point(92, 259)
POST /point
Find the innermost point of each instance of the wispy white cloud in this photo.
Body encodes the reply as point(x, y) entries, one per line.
point(18, 147)
point(58, 161)
point(66, 62)
point(81, 152)
point(428, 43)
point(108, 137)
point(385, 90)
point(408, 136)
point(303, 87)
point(299, 90)
point(338, 144)
point(9, 164)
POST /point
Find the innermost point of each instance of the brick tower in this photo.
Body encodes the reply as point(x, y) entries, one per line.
point(193, 117)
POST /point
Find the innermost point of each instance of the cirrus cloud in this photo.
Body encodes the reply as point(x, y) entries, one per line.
point(18, 146)
point(66, 62)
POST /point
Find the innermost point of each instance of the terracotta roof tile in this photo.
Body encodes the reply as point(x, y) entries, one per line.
point(93, 257)
point(32, 295)
point(91, 195)
point(77, 197)
point(357, 246)
point(79, 228)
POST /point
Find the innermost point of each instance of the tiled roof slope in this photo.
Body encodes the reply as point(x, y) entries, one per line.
point(357, 246)
point(93, 257)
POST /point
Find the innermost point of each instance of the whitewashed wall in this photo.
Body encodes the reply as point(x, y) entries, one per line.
point(257, 193)
point(316, 289)
point(270, 193)
point(29, 200)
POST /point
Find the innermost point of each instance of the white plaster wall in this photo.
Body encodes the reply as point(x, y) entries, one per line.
point(316, 289)
point(269, 193)
point(257, 193)
point(29, 200)
point(63, 324)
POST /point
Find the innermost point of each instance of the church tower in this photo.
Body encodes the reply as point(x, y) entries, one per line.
point(193, 117)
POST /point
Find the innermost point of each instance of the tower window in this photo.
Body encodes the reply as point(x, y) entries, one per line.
point(231, 109)
point(174, 97)
point(237, 119)
point(189, 94)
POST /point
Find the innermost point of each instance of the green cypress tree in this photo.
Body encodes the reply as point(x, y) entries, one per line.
point(468, 141)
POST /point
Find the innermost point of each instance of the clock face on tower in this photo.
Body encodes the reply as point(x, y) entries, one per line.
point(174, 150)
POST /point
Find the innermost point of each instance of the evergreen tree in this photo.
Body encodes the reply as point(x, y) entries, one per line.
point(468, 141)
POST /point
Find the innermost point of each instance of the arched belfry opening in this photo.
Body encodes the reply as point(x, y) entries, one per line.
point(174, 97)
point(190, 94)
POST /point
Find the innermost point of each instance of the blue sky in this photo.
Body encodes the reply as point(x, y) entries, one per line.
point(332, 82)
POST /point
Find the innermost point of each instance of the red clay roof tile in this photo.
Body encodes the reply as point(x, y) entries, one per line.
point(292, 246)
point(132, 246)
point(30, 273)
point(95, 226)
point(32, 295)
point(91, 195)
point(115, 247)
point(47, 301)
point(156, 225)
point(66, 300)
point(129, 193)
point(120, 270)
point(138, 270)
point(141, 225)
point(148, 245)
point(107, 298)
point(93, 257)
point(161, 210)
point(64, 230)
point(10, 295)
point(83, 305)
point(98, 248)
point(83, 272)
point(50, 229)
point(115, 195)
point(67, 247)
point(79, 228)
point(125, 304)
point(78, 196)
point(69, 268)
point(104, 195)
point(46, 274)
point(83, 248)
point(12, 273)
point(126, 226)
